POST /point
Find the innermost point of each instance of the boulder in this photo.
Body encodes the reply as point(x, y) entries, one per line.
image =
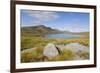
point(50, 51)
point(76, 47)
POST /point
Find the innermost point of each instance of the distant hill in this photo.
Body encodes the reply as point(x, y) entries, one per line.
point(41, 30)
point(38, 30)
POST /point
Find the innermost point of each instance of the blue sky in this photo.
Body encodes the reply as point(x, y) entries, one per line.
point(66, 21)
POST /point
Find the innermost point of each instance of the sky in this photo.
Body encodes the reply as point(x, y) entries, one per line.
point(65, 21)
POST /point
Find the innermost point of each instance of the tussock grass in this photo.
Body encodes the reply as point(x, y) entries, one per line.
point(36, 55)
point(30, 42)
point(32, 55)
point(65, 55)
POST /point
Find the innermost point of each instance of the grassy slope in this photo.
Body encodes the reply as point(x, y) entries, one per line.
point(29, 40)
point(31, 55)
point(33, 41)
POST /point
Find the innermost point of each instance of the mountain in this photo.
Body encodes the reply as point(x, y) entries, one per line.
point(38, 30)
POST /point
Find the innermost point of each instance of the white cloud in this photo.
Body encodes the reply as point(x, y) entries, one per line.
point(74, 28)
point(42, 16)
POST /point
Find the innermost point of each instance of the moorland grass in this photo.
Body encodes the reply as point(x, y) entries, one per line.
point(36, 55)
point(30, 42)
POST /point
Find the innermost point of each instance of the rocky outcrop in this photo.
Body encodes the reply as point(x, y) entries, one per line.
point(76, 47)
point(50, 51)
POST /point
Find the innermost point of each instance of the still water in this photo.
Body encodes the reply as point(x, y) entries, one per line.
point(62, 35)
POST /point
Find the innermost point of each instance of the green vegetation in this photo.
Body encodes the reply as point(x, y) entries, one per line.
point(36, 55)
point(39, 30)
point(30, 42)
point(65, 55)
point(33, 37)
point(84, 55)
point(32, 55)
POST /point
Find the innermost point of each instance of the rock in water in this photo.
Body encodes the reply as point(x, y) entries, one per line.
point(50, 51)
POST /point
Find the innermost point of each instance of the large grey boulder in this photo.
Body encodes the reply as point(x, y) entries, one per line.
point(76, 47)
point(50, 51)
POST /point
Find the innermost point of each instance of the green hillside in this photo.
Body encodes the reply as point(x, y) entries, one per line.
point(39, 30)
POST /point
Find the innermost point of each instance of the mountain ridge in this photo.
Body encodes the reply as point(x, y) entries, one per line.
point(42, 29)
point(39, 30)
